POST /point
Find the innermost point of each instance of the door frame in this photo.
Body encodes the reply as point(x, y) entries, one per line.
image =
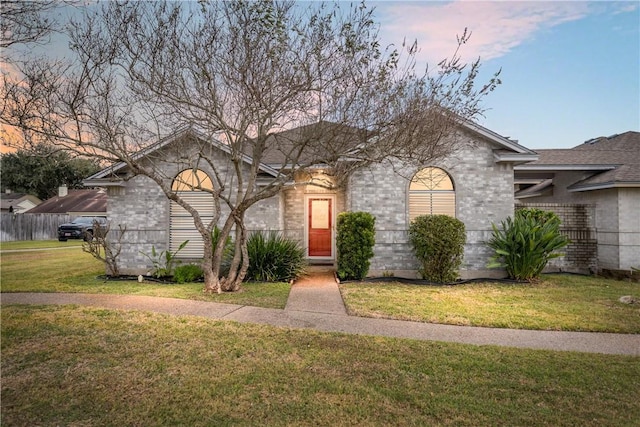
point(307, 197)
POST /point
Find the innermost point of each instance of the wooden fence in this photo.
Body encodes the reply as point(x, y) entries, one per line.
point(31, 226)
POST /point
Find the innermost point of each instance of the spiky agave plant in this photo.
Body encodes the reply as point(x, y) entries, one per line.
point(525, 244)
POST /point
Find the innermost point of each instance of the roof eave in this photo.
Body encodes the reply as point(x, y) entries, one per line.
point(564, 167)
point(603, 186)
point(515, 157)
point(497, 138)
point(526, 196)
point(103, 182)
point(165, 141)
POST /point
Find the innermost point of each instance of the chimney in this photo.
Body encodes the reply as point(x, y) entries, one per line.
point(62, 190)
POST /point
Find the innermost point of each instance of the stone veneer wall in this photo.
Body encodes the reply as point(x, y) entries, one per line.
point(578, 224)
point(484, 195)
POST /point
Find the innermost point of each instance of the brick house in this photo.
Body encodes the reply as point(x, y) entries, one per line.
point(475, 184)
point(17, 202)
point(600, 177)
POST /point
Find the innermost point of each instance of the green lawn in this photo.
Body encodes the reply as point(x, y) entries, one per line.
point(559, 302)
point(38, 244)
point(87, 366)
point(72, 270)
point(75, 365)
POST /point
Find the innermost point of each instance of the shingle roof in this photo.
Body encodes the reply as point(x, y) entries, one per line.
point(323, 139)
point(8, 199)
point(614, 159)
point(75, 201)
point(281, 147)
point(328, 139)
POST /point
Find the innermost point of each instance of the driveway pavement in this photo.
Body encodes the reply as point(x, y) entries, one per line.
point(315, 303)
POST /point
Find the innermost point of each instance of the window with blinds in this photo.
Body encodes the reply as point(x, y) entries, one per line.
point(431, 192)
point(189, 185)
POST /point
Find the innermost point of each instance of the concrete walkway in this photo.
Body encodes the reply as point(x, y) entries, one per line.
point(315, 303)
point(316, 293)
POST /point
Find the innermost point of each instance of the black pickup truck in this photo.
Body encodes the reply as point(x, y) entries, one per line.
point(81, 228)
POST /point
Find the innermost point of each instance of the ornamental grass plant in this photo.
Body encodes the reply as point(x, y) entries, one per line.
point(274, 258)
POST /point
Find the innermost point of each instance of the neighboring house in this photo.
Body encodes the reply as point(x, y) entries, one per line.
point(18, 202)
point(602, 172)
point(75, 203)
point(475, 185)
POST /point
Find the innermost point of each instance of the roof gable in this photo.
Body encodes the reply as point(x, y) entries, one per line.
point(101, 177)
point(14, 199)
point(503, 143)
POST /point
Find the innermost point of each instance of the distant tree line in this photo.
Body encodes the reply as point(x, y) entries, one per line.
point(42, 169)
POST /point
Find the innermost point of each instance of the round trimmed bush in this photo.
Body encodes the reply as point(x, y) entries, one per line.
point(438, 243)
point(355, 239)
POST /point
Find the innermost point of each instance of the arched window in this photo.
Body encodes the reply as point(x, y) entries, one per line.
point(189, 184)
point(431, 192)
point(192, 180)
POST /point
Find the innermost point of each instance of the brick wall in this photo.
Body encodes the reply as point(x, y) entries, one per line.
point(141, 206)
point(484, 195)
point(578, 224)
point(143, 209)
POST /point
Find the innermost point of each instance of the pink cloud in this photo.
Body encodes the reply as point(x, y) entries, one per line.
point(496, 26)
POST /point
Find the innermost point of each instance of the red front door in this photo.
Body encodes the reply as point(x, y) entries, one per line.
point(319, 226)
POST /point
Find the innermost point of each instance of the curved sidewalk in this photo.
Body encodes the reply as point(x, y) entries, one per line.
point(329, 322)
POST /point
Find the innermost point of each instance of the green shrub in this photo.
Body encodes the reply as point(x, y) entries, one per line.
point(355, 239)
point(538, 214)
point(438, 243)
point(274, 258)
point(187, 273)
point(164, 261)
point(526, 243)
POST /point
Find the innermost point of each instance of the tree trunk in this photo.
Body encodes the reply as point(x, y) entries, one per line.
point(211, 264)
point(240, 263)
point(211, 269)
point(212, 261)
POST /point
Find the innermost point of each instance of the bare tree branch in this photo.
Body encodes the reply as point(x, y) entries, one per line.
point(308, 84)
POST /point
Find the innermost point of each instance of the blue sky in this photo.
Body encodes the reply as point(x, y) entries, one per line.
point(570, 70)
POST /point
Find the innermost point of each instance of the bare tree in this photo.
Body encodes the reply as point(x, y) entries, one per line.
point(242, 73)
point(105, 245)
point(24, 21)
